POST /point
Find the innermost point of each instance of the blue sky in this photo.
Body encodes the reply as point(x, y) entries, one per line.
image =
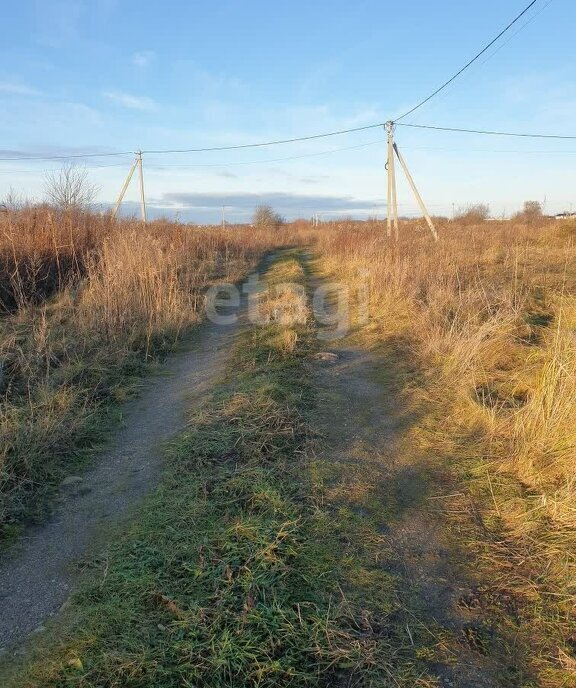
point(80, 76)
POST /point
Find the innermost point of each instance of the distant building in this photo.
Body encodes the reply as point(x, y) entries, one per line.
point(565, 216)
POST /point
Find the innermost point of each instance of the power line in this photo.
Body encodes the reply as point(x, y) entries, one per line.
point(502, 45)
point(265, 143)
point(491, 150)
point(520, 28)
point(259, 144)
point(217, 164)
point(269, 160)
point(36, 170)
point(468, 64)
point(64, 157)
point(488, 133)
point(311, 155)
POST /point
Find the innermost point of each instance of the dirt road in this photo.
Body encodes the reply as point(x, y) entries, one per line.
point(378, 476)
point(38, 574)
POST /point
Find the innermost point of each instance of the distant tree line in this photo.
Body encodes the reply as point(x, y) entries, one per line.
point(478, 212)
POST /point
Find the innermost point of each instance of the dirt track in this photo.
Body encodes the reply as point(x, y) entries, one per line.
point(38, 574)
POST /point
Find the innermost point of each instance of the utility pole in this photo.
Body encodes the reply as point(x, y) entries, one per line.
point(136, 164)
point(416, 194)
point(124, 188)
point(223, 217)
point(392, 199)
point(142, 197)
point(391, 206)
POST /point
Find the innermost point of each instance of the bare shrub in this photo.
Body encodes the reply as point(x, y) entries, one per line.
point(473, 214)
point(70, 187)
point(531, 213)
point(265, 217)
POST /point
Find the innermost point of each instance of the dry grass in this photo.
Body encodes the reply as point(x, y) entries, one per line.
point(240, 570)
point(488, 314)
point(43, 249)
point(92, 300)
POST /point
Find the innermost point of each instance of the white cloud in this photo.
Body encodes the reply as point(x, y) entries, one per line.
point(17, 88)
point(143, 58)
point(130, 101)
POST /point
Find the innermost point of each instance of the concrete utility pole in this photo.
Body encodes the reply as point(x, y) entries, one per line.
point(136, 164)
point(416, 194)
point(124, 188)
point(392, 205)
point(223, 217)
point(142, 197)
point(392, 198)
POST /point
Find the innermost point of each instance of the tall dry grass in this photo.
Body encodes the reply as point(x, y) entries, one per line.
point(42, 249)
point(87, 302)
point(489, 315)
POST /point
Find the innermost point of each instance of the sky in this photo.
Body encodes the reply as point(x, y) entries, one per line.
point(100, 76)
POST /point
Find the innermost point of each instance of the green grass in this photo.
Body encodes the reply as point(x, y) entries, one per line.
point(58, 407)
point(240, 570)
point(61, 389)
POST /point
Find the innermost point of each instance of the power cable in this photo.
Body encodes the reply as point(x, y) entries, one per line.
point(265, 143)
point(491, 150)
point(217, 164)
point(155, 167)
point(268, 160)
point(201, 150)
point(64, 157)
point(488, 133)
point(532, 19)
point(468, 64)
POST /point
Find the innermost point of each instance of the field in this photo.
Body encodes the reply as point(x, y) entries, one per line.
point(87, 303)
point(378, 490)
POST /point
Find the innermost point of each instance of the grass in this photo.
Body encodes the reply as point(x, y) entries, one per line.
point(487, 316)
point(76, 344)
point(259, 563)
point(241, 569)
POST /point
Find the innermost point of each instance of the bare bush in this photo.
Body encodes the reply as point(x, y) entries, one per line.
point(265, 217)
point(531, 214)
point(69, 187)
point(473, 214)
